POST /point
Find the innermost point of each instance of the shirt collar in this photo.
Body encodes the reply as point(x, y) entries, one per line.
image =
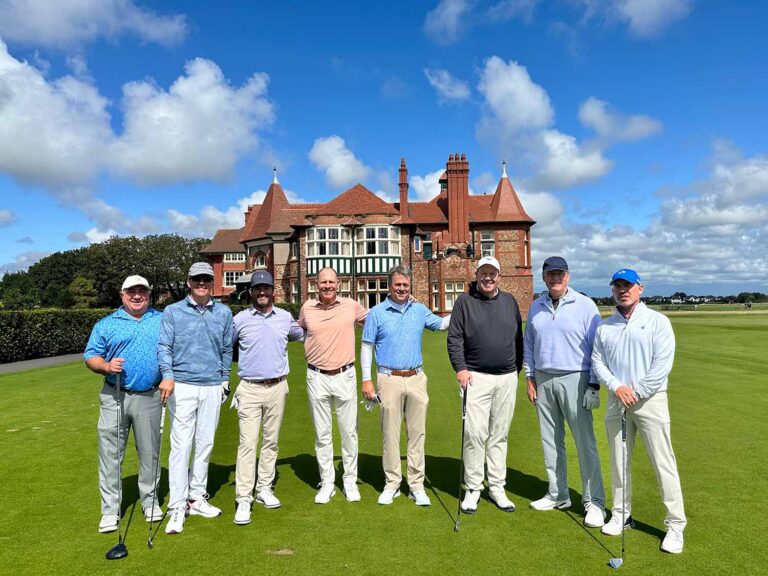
point(122, 313)
point(192, 302)
point(395, 306)
point(255, 312)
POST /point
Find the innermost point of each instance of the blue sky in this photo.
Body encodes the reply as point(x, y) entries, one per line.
point(633, 130)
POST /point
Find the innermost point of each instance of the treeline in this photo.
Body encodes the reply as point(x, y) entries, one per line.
point(91, 277)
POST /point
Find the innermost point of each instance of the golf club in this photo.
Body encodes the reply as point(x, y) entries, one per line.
point(119, 550)
point(461, 465)
point(157, 480)
point(617, 562)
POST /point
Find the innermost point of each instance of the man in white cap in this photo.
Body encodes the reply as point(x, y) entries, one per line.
point(558, 354)
point(262, 333)
point(195, 356)
point(633, 355)
point(485, 346)
point(125, 343)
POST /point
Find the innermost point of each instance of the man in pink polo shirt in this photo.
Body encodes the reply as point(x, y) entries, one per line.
point(331, 380)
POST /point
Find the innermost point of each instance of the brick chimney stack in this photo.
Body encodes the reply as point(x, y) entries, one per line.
point(403, 185)
point(457, 172)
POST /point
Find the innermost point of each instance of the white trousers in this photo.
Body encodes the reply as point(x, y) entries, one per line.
point(194, 417)
point(649, 417)
point(327, 393)
point(490, 406)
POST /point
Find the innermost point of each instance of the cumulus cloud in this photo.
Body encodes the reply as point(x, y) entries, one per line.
point(613, 126)
point(198, 129)
point(22, 261)
point(647, 18)
point(58, 24)
point(424, 188)
point(509, 9)
point(444, 23)
point(339, 163)
point(7, 217)
point(565, 163)
point(447, 86)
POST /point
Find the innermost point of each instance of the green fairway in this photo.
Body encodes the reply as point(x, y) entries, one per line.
point(718, 400)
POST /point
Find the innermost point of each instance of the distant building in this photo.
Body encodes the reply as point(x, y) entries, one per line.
point(361, 236)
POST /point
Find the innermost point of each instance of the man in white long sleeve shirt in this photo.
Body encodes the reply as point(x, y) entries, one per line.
point(632, 357)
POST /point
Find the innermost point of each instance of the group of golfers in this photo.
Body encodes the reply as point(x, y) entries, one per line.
point(182, 356)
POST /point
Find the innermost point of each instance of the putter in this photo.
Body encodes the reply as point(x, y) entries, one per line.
point(119, 550)
point(461, 465)
point(617, 562)
point(150, 544)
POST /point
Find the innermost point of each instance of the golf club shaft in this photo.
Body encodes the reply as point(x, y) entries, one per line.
point(119, 459)
point(157, 468)
point(624, 479)
point(461, 459)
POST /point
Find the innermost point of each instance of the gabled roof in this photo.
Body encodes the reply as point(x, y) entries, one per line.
point(356, 200)
point(269, 217)
point(226, 240)
point(506, 204)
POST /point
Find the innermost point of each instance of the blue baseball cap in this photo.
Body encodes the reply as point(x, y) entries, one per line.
point(262, 277)
point(555, 263)
point(626, 274)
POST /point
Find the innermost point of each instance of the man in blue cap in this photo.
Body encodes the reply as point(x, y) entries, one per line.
point(558, 355)
point(261, 334)
point(632, 357)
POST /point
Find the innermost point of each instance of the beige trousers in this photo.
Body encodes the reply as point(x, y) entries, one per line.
point(490, 405)
point(650, 417)
point(259, 406)
point(403, 396)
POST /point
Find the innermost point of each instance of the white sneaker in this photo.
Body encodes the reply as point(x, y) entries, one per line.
point(153, 514)
point(176, 518)
point(351, 493)
point(549, 503)
point(613, 526)
point(499, 497)
point(201, 507)
point(388, 495)
point(595, 516)
point(469, 504)
point(268, 498)
point(420, 497)
point(108, 523)
point(325, 494)
point(243, 513)
point(673, 541)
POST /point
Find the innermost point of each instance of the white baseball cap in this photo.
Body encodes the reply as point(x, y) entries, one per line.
point(490, 260)
point(132, 281)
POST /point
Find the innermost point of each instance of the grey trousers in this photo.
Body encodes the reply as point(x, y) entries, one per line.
point(559, 400)
point(141, 412)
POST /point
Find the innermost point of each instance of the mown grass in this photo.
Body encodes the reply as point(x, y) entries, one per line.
point(50, 504)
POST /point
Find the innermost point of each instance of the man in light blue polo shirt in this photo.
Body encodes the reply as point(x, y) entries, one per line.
point(394, 328)
point(557, 348)
point(125, 343)
point(261, 334)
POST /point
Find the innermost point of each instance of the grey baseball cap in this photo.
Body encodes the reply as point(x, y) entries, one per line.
point(200, 268)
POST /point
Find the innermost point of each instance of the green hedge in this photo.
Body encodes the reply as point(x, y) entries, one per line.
point(30, 334)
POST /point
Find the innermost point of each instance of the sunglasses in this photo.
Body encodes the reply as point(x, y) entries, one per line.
point(203, 278)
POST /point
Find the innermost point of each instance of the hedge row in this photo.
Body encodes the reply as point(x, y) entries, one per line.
point(30, 334)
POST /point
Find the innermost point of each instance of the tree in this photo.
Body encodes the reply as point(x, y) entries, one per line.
point(83, 293)
point(18, 291)
point(165, 260)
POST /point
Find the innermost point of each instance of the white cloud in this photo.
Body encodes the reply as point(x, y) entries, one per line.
point(198, 129)
point(22, 261)
point(394, 88)
point(63, 24)
point(508, 9)
point(565, 163)
point(612, 126)
point(447, 86)
point(426, 187)
point(7, 217)
point(339, 163)
point(649, 17)
point(444, 23)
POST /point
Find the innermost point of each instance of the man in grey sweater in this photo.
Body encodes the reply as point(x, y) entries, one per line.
point(485, 346)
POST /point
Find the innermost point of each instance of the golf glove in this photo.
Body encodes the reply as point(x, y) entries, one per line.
point(224, 391)
point(592, 398)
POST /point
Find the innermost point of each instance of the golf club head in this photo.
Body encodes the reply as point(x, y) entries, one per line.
point(150, 545)
point(117, 552)
point(616, 562)
point(455, 526)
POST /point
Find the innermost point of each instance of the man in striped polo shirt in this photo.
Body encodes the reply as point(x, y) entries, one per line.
point(557, 358)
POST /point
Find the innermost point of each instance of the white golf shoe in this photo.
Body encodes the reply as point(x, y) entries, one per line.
point(497, 495)
point(176, 518)
point(351, 493)
point(613, 526)
point(387, 496)
point(243, 513)
point(550, 503)
point(469, 504)
point(420, 497)
point(108, 523)
point(153, 514)
point(325, 494)
point(595, 516)
point(268, 498)
point(201, 507)
point(673, 541)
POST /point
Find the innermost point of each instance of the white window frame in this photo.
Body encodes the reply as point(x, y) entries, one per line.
point(435, 296)
point(381, 240)
point(417, 243)
point(260, 262)
point(234, 275)
point(453, 290)
point(427, 242)
point(369, 286)
point(324, 241)
point(234, 257)
point(487, 243)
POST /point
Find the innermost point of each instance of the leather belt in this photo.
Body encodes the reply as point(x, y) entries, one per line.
point(403, 373)
point(266, 382)
point(331, 372)
point(123, 389)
